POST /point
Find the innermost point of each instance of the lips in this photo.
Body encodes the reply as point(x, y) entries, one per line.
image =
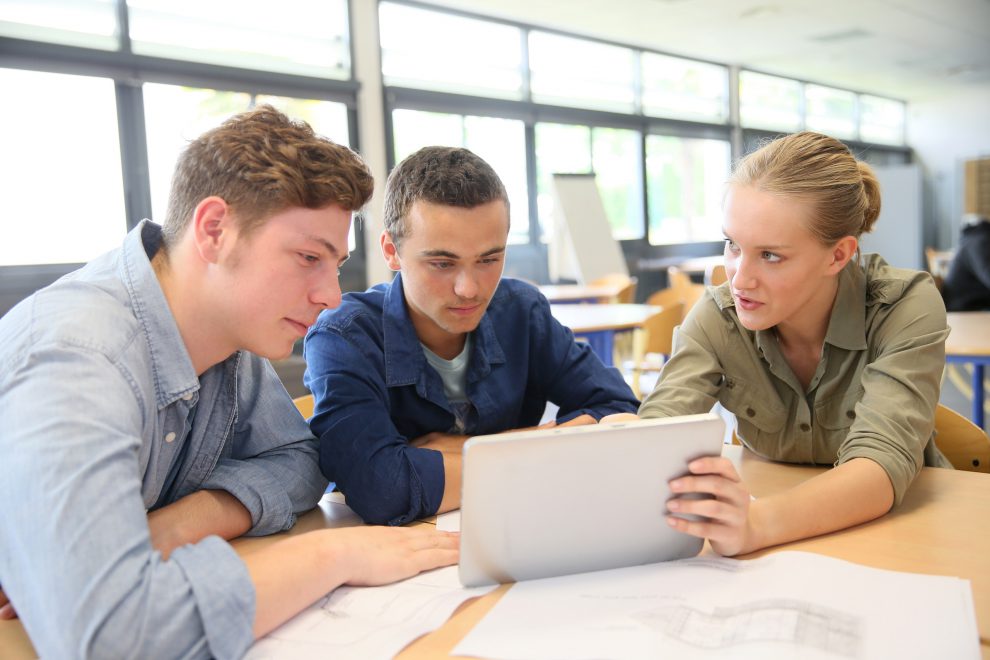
point(747, 304)
point(465, 311)
point(300, 328)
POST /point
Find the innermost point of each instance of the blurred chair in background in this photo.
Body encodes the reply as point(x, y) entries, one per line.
point(624, 284)
point(653, 344)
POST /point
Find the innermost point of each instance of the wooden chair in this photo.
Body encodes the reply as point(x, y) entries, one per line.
point(964, 443)
point(656, 345)
point(678, 279)
point(680, 290)
point(715, 275)
point(625, 284)
point(304, 404)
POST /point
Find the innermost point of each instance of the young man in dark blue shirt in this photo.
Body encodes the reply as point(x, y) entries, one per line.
point(405, 372)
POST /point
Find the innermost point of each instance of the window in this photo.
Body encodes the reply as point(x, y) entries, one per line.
point(830, 111)
point(63, 198)
point(881, 120)
point(685, 183)
point(472, 57)
point(501, 142)
point(305, 37)
point(769, 102)
point(577, 72)
point(685, 89)
point(612, 154)
point(87, 23)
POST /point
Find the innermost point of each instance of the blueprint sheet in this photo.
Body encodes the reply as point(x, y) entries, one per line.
point(784, 605)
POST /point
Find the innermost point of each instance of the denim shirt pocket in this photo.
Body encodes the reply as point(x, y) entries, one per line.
point(759, 417)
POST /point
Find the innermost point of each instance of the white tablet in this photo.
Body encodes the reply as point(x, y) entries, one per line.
point(537, 504)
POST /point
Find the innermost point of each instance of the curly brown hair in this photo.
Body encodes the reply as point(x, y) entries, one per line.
point(261, 162)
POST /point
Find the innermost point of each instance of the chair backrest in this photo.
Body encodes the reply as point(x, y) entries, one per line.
point(686, 295)
point(304, 404)
point(965, 444)
point(625, 285)
point(715, 275)
point(659, 329)
point(678, 279)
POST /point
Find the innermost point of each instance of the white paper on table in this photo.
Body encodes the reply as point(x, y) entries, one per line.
point(365, 623)
point(783, 605)
point(450, 521)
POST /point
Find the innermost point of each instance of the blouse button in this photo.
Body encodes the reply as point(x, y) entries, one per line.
point(750, 412)
point(805, 428)
point(851, 414)
point(170, 436)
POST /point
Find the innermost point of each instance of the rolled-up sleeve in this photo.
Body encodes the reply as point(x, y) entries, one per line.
point(894, 419)
point(76, 558)
point(272, 464)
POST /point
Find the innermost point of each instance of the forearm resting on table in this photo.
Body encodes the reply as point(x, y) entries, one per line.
point(196, 516)
point(849, 494)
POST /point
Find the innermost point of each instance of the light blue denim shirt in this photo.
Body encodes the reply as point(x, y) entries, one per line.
point(102, 418)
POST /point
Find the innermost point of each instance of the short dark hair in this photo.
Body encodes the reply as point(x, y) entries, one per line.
point(451, 176)
point(261, 163)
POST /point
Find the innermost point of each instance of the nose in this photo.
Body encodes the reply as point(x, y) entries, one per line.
point(465, 285)
point(326, 292)
point(739, 270)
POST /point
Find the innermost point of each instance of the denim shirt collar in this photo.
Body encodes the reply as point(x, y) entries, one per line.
point(171, 366)
point(405, 363)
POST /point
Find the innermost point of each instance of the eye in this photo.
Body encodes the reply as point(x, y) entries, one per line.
point(490, 260)
point(731, 247)
point(441, 265)
point(770, 257)
point(309, 258)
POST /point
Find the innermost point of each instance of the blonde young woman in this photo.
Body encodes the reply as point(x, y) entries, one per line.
point(824, 355)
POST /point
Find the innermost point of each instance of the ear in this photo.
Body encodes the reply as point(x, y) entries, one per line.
point(212, 227)
point(390, 251)
point(840, 253)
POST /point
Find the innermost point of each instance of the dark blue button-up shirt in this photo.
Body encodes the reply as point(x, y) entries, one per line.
point(375, 391)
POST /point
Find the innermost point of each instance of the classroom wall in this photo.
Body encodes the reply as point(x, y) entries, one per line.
point(944, 132)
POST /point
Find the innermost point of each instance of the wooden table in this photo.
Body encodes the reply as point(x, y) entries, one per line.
point(579, 293)
point(969, 342)
point(599, 323)
point(938, 529)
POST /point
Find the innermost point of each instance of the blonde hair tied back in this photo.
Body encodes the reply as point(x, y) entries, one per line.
point(844, 193)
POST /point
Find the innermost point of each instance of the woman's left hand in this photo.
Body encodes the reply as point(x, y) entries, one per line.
point(726, 522)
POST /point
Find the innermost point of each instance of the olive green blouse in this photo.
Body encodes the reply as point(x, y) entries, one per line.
point(874, 392)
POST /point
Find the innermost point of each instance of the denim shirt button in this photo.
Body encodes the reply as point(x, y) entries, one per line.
point(170, 436)
point(187, 397)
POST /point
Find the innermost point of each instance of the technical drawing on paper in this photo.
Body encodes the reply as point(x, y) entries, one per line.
point(784, 620)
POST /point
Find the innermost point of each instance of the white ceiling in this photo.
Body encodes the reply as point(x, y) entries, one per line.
point(907, 49)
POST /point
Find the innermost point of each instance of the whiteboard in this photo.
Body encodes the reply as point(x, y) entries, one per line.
point(897, 234)
point(582, 248)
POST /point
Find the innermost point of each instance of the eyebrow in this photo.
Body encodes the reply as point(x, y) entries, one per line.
point(767, 248)
point(330, 247)
point(447, 254)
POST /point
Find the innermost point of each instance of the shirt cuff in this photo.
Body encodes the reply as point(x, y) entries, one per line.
point(261, 494)
point(224, 594)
